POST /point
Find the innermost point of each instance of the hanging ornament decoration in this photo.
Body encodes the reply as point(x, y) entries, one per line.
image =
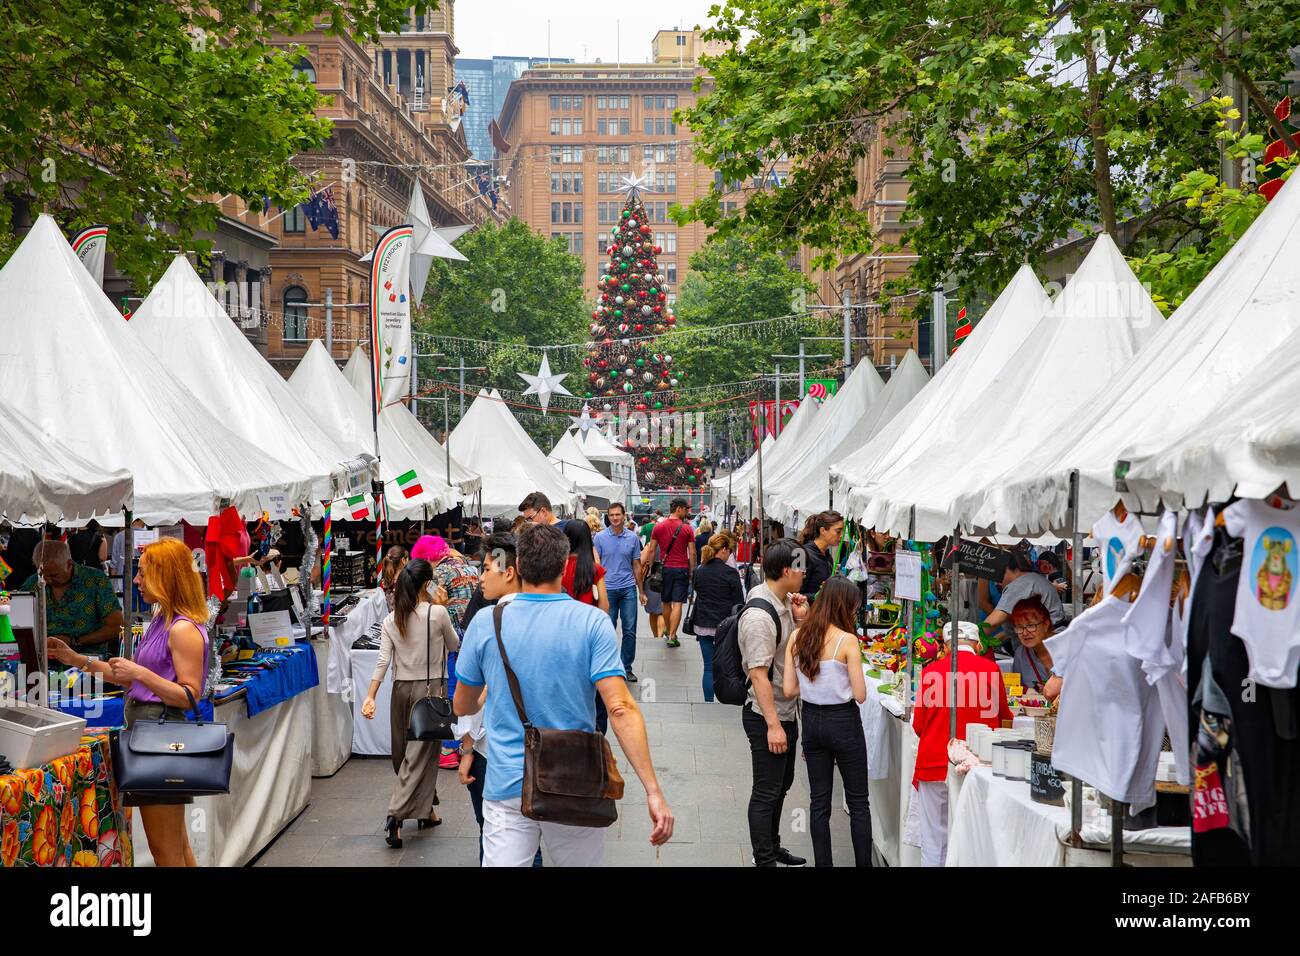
point(544, 384)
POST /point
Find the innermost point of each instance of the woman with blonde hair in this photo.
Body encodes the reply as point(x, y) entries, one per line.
point(594, 522)
point(171, 662)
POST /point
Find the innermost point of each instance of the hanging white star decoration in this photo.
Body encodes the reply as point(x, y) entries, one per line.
point(632, 184)
point(544, 384)
point(584, 422)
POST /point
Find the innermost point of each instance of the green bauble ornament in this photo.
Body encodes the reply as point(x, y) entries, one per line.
point(649, 395)
point(626, 214)
point(626, 287)
point(587, 394)
point(659, 404)
point(640, 362)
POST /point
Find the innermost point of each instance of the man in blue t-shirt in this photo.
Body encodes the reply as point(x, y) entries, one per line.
point(558, 648)
point(619, 551)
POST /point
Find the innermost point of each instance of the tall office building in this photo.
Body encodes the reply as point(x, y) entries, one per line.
point(487, 82)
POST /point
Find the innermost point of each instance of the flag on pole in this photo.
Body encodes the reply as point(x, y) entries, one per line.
point(90, 245)
point(359, 508)
point(409, 484)
point(390, 314)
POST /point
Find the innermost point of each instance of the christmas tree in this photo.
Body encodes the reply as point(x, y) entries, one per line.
point(624, 362)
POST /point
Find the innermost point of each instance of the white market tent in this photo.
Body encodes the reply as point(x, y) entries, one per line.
point(1249, 446)
point(320, 386)
point(185, 326)
point(601, 449)
point(837, 414)
point(492, 440)
point(784, 449)
point(1245, 310)
point(735, 485)
point(809, 492)
point(42, 480)
point(431, 454)
point(90, 382)
point(1101, 320)
point(1006, 325)
point(568, 457)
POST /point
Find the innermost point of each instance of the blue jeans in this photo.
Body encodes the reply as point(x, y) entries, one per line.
point(623, 602)
point(706, 652)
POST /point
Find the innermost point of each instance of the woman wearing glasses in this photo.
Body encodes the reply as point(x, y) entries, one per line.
point(1030, 658)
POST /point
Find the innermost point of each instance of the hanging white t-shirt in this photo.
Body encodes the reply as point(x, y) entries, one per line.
point(1265, 617)
point(1119, 542)
point(1151, 636)
point(1198, 539)
point(1109, 728)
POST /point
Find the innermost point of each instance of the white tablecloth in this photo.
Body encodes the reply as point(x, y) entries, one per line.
point(331, 739)
point(270, 781)
point(370, 737)
point(370, 608)
point(891, 756)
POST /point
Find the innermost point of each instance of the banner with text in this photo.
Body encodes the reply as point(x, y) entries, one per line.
point(390, 315)
point(90, 245)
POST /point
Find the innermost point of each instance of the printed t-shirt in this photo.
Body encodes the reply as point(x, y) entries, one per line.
point(1120, 541)
point(1265, 617)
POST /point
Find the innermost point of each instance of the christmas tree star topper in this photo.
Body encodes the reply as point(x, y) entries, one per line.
point(544, 384)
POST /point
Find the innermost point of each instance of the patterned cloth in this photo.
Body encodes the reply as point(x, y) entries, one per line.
point(87, 600)
point(460, 578)
point(66, 813)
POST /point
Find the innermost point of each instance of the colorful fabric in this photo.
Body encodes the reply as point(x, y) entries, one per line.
point(460, 578)
point(87, 601)
point(66, 813)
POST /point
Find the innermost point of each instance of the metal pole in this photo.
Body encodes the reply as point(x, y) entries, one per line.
point(777, 419)
point(128, 590)
point(761, 517)
point(41, 690)
point(446, 435)
point(848, 333)
point(1076, 567)
point(909, 611)
point(329, 321)
point(939, 329)
point(954, 612)
point(803, 385)
point(462, 386)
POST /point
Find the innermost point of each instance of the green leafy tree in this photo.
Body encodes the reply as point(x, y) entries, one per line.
point(518, 288)
point(139, 113)
point(1021, 123)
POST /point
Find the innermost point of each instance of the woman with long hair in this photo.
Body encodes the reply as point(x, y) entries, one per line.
point(416, 638)
point(394, 560)
point(583, 577)
point(717, 594)
point(821, 533)
point(171, 663)
point(594, 522)
point(823, 666)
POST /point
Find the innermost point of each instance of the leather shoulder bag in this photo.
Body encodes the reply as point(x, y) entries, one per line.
point(570, 776)
point(655, 579)
point(176, 758)
point(431, 717)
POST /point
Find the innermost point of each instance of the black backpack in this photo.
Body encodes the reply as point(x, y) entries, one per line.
point(730, 680)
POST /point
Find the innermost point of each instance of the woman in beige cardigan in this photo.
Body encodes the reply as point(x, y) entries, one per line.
point(417, 637)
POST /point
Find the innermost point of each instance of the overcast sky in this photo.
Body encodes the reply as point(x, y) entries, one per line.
point(582, 30)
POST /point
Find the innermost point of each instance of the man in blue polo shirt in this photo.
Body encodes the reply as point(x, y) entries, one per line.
point(619, 551)
point(559, 649)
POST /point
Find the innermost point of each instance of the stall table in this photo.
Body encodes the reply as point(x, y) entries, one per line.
point(65, 813)
point(370, 738)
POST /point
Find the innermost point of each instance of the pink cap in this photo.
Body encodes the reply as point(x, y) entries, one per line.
point(430, 547)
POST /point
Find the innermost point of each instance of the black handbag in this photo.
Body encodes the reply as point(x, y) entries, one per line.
point(175, 758)
point(655, 579)
point(431, 717)
point(688, 620)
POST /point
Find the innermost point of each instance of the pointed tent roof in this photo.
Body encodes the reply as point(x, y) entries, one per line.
point(836, 416)
point(510, 462)
point(738, 481)
point(431, 453)
point(320, 385)
point(89, 380)
point(1239, 315)
point(1009, 320)
point(185, 326)
point(786, 445)
point(1101, 319)
point(597, 447)
point(568, 457)
point(42, 479)
point(809, 492)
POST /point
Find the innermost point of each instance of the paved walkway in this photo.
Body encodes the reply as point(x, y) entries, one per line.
point(701, 757)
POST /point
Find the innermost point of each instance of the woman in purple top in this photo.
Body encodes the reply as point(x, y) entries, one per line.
point(170, 660)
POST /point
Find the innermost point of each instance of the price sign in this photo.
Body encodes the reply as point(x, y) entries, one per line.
point(276, 506)
point(907, 576)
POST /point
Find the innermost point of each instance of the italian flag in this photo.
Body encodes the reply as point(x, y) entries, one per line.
point(409, 484)
point(360, 510)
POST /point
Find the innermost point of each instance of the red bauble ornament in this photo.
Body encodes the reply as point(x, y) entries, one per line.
point(592, 377)
point(640, 327)
point(642, 294)
point(603, 363)
point(663, 296)
point(658, 308)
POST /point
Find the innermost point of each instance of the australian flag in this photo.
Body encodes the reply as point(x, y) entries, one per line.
point(321, 210)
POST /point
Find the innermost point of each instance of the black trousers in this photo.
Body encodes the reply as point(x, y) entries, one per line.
point(773, 776)
point(832, 736)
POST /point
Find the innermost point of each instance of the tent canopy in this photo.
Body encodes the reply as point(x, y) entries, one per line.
point(89, 380)
point(492, 440)
point(576, 467)
point(431, 452)
point(1009, 320)
point(1218, 339)
point(735, 486)
point(185, 326)
point(1101, 319)
point(786, 446)
point(809, 491)
point(320, 385)
point(42, 479)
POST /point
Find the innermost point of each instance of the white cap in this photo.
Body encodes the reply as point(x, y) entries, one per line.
point(967, 631)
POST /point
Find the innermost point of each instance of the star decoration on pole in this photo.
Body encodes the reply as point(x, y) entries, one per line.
point(584, 422)
point(431, 242)
point(544, 384)
point(632, 185)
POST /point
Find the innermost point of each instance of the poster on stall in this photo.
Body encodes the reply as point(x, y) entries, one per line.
point(271, 629)
point(390, 315)
point(907, 576)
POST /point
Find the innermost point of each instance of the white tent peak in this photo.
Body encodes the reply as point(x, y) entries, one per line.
point(575, 466)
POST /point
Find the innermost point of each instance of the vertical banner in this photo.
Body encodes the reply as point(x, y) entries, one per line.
point(390, 315)
point(90, 245)
point(766, 409)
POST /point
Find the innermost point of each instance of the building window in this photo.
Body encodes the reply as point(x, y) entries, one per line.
point(672, 102)
point(565, 103)
point(624, 152)
point(295, 314)
point(577, 102)
point(625, 129)
point(671, 185)
point(577, 127)
point(601, 127)
point(555, 154)
point(566, 127)
point(659, 102)
point(649, 126)
point(304, 68)
point(670, 272)
point(659, 126)
point(647, 102)
point(667, 241)
point(602, 243)
point(555, 127)
point(555, 102)
point(681, 39)
point(600, 102)
point(294, 220)
point(624, 102)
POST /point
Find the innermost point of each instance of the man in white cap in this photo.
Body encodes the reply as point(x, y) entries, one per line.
point(980, 697)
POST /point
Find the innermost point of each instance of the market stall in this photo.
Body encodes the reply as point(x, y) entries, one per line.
point(568, 457)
